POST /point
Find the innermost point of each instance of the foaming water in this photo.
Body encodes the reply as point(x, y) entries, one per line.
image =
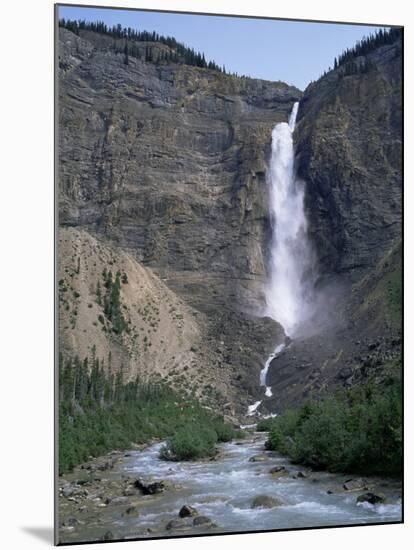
point(288, 293)
point(224, 489)
point(263, 373)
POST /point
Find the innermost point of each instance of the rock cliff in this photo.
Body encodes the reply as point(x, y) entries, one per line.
point(162, 171)
point(167, 163)
point(349, 152)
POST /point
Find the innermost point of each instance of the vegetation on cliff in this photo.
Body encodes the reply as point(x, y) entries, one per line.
point(356, 430)
point(99, 411)
point(126, 41)
point(368, 44)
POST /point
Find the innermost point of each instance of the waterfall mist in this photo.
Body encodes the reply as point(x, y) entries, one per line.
point(291, 274)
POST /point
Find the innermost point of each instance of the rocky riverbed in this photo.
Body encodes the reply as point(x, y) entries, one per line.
point(134, 494)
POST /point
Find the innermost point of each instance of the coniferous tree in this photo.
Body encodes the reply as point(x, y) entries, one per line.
point(177, 53)
point(126, 56)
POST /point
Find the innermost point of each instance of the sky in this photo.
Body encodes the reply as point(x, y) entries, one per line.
point(295, 52)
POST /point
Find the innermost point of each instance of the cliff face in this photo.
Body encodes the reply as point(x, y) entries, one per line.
point(162, 168)
point(168, 164)
point(349, 153)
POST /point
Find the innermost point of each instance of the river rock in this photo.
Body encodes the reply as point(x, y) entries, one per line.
point(300, 475)
point(150, 488)
point(278, 471)
point(355, 484)
point(259, 458)
point(187, 511)
point(131, 511)
point(67, 491)
point(203, 520)
point(116, 500)
point(177, 524)
point(372, 498)
point(265, 501)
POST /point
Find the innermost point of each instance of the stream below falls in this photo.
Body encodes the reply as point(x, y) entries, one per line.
point(100, 504)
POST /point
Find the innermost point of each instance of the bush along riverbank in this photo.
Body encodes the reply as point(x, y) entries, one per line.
point(99, 412)
point(358, 430)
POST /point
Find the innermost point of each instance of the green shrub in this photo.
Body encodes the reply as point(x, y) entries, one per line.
point(224, 431)
point(98, 412)
point(190, 443)
point(358, 430)
point(265, 425)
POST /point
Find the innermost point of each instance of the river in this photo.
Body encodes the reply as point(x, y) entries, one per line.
point(222, 489)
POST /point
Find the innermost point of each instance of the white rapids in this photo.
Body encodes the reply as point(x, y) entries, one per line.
point(263, 372)
point(224, 489)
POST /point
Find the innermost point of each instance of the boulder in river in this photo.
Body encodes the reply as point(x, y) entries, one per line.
point(265, 501)
point(116, 500)
point(259, 458)
point(67, 490)
point(372, 498)
point(177, 524)
point(149, 488)
point(355, 484)
point(131, 511)
point(278, 471)
point(187, 511)
point(204, 521)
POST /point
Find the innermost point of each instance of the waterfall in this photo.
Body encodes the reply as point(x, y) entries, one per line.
point(289, 289)
point(290, 267)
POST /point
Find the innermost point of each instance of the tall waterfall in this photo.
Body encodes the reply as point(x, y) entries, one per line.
point(287, 293)
point(289, 290)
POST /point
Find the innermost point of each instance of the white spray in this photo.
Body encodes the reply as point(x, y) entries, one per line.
point(288, 293)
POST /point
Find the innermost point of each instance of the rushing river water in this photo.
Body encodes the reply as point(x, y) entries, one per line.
point(223, 490)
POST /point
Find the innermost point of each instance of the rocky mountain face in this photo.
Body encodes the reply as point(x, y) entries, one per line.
point(162, 171)
point(349, 153)
point(167, 163)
